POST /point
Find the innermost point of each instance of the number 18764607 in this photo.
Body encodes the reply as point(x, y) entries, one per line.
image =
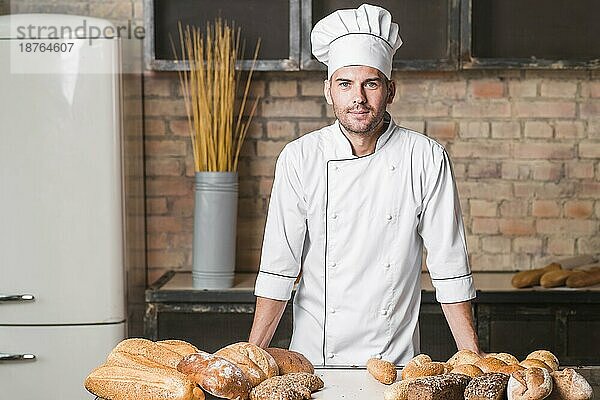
point(43, 47)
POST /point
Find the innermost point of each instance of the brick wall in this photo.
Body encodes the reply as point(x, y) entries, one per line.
point(525, 147)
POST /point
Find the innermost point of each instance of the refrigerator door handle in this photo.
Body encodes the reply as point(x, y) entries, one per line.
point(16, 297)
point(16, 357)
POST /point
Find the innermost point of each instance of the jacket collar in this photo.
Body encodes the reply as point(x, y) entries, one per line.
point(343, 147)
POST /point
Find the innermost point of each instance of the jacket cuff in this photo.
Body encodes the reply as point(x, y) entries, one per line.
point(454, 290)
point(274, 287)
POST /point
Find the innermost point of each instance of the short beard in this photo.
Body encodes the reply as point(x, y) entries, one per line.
point(365, 131)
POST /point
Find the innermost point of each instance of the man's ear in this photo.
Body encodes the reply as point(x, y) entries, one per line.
point(327, 91)
point(391, 92)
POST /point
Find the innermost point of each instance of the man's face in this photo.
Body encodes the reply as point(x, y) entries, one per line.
point(359, 96)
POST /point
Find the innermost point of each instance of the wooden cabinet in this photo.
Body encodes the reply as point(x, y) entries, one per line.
point(507, 320)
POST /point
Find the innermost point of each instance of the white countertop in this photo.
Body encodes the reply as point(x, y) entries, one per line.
point(349, 383)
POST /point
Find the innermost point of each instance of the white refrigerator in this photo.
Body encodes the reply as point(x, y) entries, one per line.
point(62, 295)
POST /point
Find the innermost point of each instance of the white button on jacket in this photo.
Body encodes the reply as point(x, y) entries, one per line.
point(364, 215)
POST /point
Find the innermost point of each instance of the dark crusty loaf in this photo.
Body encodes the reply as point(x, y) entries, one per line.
point(290, 361)
point(440, 387)
point(490, 386)
point(292, 386)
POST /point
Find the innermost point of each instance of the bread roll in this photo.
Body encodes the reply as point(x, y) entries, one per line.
point(397, 391)
point(216, 375)
point(383, 371)
point(441, 387)
point(121, 383)
point(255, 362)
point(535, 363)
point(569, 385)
point(532, 277)
point(547, 357)
point(464, 357)
point(416, 361)
point(289, 361)
point(555, 278)
point(178, 346)
point(509, 369)
point(432, 368)
point(467, 369)
point(487, 387)
point(530, 384)
point(506, 357)
point(150, 351)
point(490, 364)
point(583, 279)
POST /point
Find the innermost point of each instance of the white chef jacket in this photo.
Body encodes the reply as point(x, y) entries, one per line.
point(355, 227)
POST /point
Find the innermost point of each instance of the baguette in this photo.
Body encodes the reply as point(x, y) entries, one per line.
point(150, 351)
point(121, 383)
point(555, 278)
point(583, 278)
point(532, 277)
point(178, 346)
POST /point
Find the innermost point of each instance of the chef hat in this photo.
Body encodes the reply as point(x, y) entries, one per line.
point(362, 36)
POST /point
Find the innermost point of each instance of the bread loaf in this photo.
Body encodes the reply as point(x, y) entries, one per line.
point(397, 391)
point(532, 277)
point(569, 385)
point(506, 357)
point(547, 357)
point(255, 362)
point(135, 361)
point(121, 383)
point(178, 346)
point(464, 357)
point(530, 384)
point(292, 386)
point(467, 369)
point(490, 364)
point(150, 351)
point(555, 278)
point(441, 387)
point(583, 278)
point(535, 363)
point(383, 371)
point(289, 361)
point(431, 368)
point(509, 369)
point(216, 375)
point(487, 387)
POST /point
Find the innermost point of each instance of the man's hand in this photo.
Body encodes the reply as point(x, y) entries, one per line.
point(267, 314)
point(460, 318)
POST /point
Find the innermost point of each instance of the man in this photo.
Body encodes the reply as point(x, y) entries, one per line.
point(351, 207)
